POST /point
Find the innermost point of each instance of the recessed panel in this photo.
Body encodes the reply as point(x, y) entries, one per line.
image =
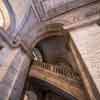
point(55, 7)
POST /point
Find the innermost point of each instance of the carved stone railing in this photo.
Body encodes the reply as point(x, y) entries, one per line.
point(64, 72)
point(59, 77)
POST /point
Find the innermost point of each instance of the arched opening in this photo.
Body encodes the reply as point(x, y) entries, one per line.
point(53, 50)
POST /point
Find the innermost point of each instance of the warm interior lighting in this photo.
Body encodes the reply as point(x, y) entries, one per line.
point(4, 16)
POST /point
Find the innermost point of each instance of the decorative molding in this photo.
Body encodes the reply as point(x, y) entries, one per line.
point(57, 7)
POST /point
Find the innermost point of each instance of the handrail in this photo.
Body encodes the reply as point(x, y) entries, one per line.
point(64, 72)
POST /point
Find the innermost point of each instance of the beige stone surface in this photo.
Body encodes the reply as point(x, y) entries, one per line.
point(87, 41)
point(6, 57)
